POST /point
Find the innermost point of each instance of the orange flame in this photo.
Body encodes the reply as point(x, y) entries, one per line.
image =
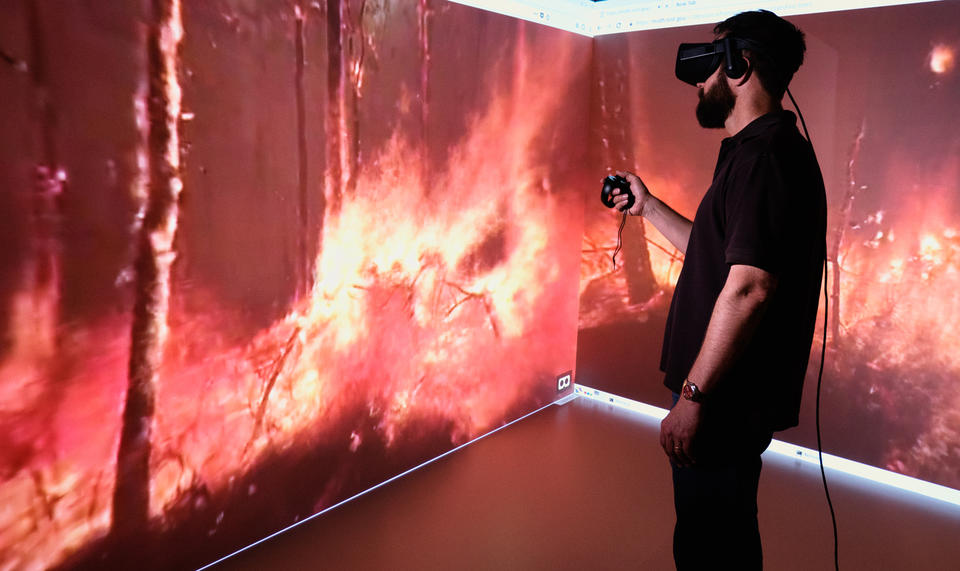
point(418, 304)
point(941, 59)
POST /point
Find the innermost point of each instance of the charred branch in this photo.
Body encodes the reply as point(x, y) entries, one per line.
point(474, 296)
point(594, 248)
point(48, 502)
point(272, 371)
point(95, 496)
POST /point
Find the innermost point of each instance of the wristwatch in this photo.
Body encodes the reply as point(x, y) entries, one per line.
point(691, 391)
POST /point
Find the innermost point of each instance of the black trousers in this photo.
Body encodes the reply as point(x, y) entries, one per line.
point(716, 497)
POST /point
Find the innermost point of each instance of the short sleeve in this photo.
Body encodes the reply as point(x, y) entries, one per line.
point(755, 210)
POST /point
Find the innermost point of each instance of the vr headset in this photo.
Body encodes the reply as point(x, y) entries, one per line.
point(697, 62)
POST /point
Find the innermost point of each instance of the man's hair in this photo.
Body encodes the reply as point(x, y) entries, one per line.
point(780, 51)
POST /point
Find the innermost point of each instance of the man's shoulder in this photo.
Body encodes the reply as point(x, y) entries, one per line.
point(779, 141)
point(778, 134)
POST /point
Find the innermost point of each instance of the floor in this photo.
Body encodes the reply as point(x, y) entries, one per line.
point(585, 486)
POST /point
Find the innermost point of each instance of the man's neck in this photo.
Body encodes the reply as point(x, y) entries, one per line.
point(747, 110)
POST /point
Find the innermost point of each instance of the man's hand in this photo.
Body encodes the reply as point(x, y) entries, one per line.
point(672, 225)
point(678, 430)
point(639, 190)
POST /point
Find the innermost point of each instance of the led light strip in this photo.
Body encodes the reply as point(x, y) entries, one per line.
point(830, 462)
point(560, 401)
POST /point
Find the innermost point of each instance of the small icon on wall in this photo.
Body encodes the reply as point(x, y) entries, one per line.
point(564, 381)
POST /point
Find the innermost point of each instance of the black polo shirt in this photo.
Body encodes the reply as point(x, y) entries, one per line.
point(765, 208)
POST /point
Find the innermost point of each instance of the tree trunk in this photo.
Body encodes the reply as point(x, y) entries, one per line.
point(49, 184)
point(303, 256)
point(335, 96)
point(843, 222)
point(423, 16)
point(356, 41)
point(346, 44)
point(38, 74)
point(131, 497)
point(611, 125)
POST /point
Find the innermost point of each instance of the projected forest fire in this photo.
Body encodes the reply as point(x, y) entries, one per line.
point(889, 154)
point(259, 256)
point(436, 307)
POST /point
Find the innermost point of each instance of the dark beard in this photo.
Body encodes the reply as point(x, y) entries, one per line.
point(715, 106)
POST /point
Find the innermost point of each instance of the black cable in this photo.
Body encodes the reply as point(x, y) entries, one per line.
point(823, 357)
point(823, 474)
point(619, 239)
point(799, 114)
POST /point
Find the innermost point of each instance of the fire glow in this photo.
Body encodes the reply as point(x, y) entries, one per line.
point(941, 59)
point(427, 313)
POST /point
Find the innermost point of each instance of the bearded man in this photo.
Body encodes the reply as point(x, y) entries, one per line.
point(741, 321)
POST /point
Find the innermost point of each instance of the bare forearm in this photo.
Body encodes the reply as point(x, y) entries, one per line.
point(674, 226)
point(734, 319)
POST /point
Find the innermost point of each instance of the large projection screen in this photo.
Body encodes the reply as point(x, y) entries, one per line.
point(878, 89)
point(264, 255)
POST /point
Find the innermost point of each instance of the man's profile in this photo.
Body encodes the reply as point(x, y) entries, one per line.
point(741, 321)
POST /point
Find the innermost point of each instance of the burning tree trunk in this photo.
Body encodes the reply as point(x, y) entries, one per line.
point(423, 16)
point(303, 256)
point(131, 498)
point(843, 221)
point(335, 85)
point(611, 138)
point(43, 268)
point(355, 31)
point(339, 119)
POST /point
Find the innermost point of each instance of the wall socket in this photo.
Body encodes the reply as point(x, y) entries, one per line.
point(564, 381)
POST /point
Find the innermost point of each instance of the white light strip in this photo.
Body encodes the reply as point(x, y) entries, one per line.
point(591, 19)
point(560, 401)
point(830, 462)
point(622, 402)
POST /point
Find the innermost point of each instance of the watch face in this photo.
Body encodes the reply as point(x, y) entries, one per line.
point(691, 392)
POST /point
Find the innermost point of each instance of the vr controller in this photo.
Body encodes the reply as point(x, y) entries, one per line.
point(612, 182)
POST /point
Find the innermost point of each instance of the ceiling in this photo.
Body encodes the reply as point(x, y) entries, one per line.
point(599, 17)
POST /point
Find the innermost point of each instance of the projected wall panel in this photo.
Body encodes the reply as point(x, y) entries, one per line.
point(312, 256)
point(878, 90)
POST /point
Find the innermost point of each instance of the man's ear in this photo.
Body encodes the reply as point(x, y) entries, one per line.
point(746, 75)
